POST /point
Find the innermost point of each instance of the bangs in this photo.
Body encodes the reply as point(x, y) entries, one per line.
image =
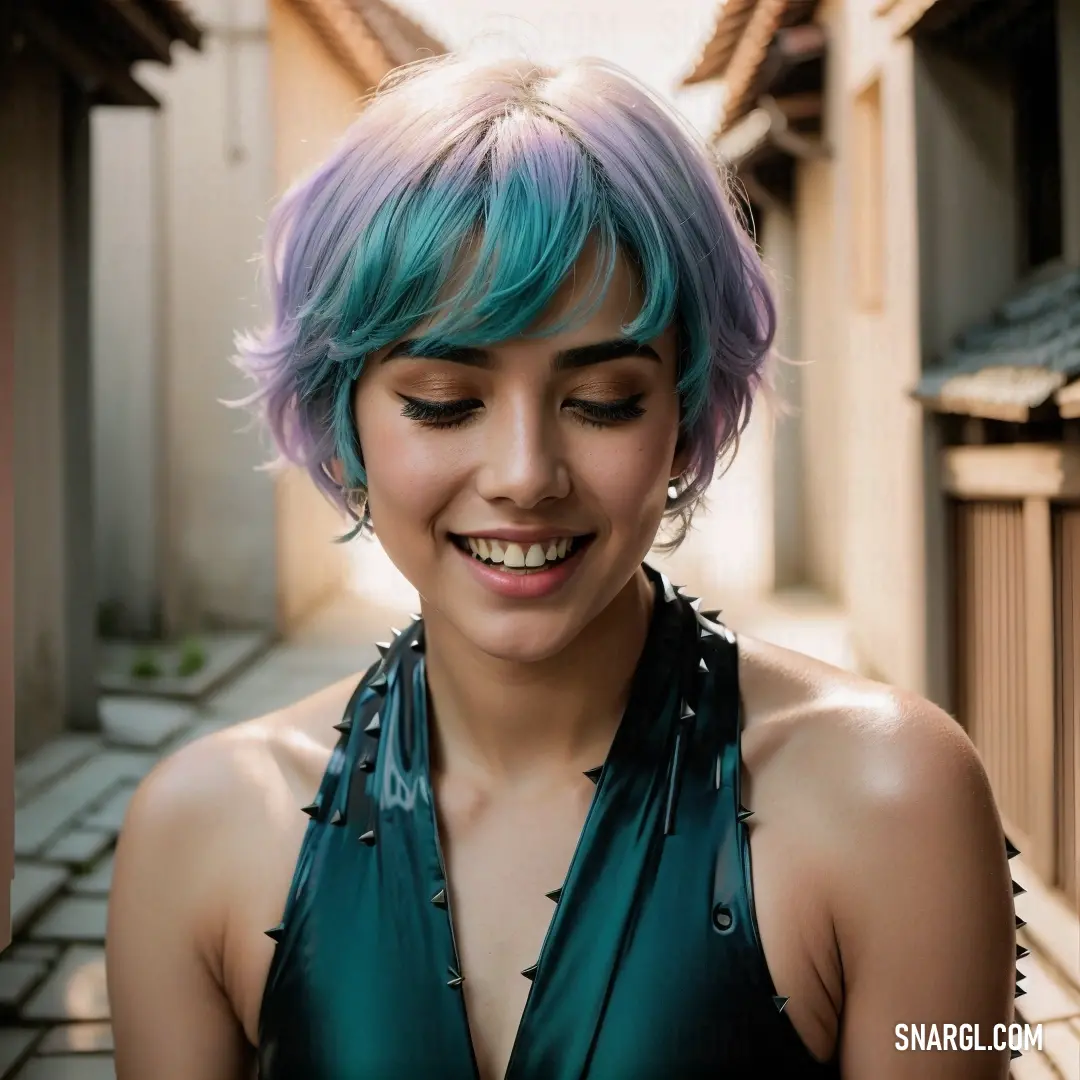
point(477, 249)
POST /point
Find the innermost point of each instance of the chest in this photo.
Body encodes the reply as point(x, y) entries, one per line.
point(503, 858)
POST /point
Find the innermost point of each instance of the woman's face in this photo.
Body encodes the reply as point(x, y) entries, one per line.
point(519, 486)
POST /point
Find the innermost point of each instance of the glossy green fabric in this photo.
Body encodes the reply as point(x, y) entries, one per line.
point(651, 967)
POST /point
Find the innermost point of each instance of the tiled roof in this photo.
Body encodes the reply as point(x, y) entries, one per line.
point(97, 42)
point(177, 20)
point(744, 32)
point(369, 37)
point(403, 39)
point(715, 57)
point(1017, 359)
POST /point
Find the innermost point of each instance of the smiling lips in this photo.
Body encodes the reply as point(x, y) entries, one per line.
point(514, 557)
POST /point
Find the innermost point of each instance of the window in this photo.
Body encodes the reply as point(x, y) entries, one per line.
point(1038, 142)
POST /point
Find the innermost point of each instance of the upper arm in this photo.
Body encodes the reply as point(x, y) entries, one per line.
point(171, 1019)
point(923, 905)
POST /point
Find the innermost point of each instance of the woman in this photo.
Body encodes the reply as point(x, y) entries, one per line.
point(515, 325)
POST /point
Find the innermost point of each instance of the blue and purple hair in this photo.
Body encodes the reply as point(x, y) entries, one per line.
point(521, 166)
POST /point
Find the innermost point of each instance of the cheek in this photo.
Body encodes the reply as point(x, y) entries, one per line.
point(410, 476)
point(630, 479)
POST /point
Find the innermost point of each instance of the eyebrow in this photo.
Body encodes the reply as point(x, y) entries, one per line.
point(580, 356)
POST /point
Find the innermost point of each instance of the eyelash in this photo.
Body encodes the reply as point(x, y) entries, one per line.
point(452, 414)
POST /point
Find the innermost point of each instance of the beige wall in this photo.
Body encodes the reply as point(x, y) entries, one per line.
point(824, 405)
point(780, 249)
point(314, 100)
point(863, 436)
point(216, 142)
point(32, 144)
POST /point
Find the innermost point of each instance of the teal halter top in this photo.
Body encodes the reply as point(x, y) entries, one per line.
point(651, 967)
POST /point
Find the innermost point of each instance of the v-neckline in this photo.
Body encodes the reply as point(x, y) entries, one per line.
point(639, 703)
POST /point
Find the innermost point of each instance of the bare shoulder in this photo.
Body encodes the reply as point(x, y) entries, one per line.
point(885, 790)
point(214, 802)
point(860, 743)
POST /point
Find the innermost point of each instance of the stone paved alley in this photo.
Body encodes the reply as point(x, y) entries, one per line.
point(71, 799)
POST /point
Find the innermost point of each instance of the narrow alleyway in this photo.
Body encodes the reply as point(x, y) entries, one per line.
point(73, 793)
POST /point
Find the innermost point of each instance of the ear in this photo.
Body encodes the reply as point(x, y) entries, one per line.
point(681, 460)
point(335, 469)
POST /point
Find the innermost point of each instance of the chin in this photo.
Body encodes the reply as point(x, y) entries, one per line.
point(521, 637)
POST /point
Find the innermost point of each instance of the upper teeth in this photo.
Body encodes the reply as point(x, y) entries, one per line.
point(518, 555)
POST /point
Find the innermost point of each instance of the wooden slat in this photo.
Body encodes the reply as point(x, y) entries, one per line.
point(1067, 626)
point(991, 653)
point(1012, 471)
point(1039, 653)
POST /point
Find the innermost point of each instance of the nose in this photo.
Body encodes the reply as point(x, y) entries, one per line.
point(523, 457)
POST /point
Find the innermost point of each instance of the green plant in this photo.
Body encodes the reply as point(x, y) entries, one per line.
point(145, 665)
point(192, 657)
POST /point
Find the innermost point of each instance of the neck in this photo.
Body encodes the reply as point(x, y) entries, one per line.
point(503, 720)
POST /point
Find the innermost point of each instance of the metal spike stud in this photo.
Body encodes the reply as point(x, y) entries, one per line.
point(365, 763)
point(687, 713)
point(744, 814)
point(379, 683)
point(1021, 952)
point(396, 633)
point(337, 818)
point(415, 618)
point(780, 1002)
point(1018, 889)
point(344, 726)
point(374, 726)
point(383, 647)
point(276, 933)
point(1014, 1054)
point(1020, 922)
point(555, 894)
point(1011, 851)
point(711, 616)
point(368, 838)
point(594, 773)
point(695, 603)
point(311, 809)
point(456, 978)
point(702, 666)
point(439, 899)
point(1019, 992)
point(674, 777)
point(530, 972)
point(417, 644)
point(1020, 975)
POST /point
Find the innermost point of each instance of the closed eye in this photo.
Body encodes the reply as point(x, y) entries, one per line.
point(454, 414)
